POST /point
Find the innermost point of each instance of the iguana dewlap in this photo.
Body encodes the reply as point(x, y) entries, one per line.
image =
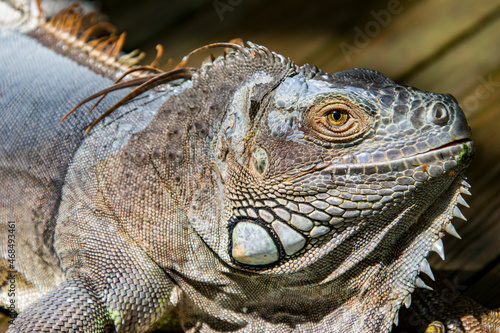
point(246, 195)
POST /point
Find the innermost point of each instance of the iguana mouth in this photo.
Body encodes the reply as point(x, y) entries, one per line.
point(453, 151)
point(453, 143)
point(428, 157)
point(458, 148)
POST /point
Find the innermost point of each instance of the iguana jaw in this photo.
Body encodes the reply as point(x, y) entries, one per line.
point(434, 224)
point(441, 165)
point(390, 282)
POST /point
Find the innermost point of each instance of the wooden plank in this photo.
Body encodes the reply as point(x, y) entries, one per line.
point(412, 35)
point(487, 287)
point(4, 322)
point(288, 28)
point(464, 67)
point(302, 35)
point(143, 20)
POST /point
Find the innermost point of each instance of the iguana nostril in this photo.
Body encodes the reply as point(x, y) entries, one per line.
point(439, 114)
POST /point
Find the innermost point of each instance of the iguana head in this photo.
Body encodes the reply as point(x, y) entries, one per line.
point(328, 156)
point(345, 177)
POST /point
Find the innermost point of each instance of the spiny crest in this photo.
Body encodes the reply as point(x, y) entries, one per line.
point(357, 77)
point(312, 72)
point(87, 41)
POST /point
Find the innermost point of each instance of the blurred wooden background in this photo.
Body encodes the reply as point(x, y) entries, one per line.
point(447, 46)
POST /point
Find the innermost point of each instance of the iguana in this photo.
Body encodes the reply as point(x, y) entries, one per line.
point(244, 195)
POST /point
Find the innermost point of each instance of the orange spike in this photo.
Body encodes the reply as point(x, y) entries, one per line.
point(159, 53)
point(117, 47)
point(95, 42)
point(238, 41)
point(109, 40)
point(110, 29)
point(71, 22)
point(40, 9)
point(210, 46)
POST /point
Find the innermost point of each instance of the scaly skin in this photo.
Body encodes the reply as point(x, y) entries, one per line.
point(255, 196)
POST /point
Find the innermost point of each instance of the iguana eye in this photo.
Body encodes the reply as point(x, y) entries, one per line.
point(337, 117)
point(339, 121)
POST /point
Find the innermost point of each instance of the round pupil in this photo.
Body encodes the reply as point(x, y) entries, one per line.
point(336, 115)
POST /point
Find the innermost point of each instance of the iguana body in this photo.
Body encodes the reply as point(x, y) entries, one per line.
point(255, 196)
